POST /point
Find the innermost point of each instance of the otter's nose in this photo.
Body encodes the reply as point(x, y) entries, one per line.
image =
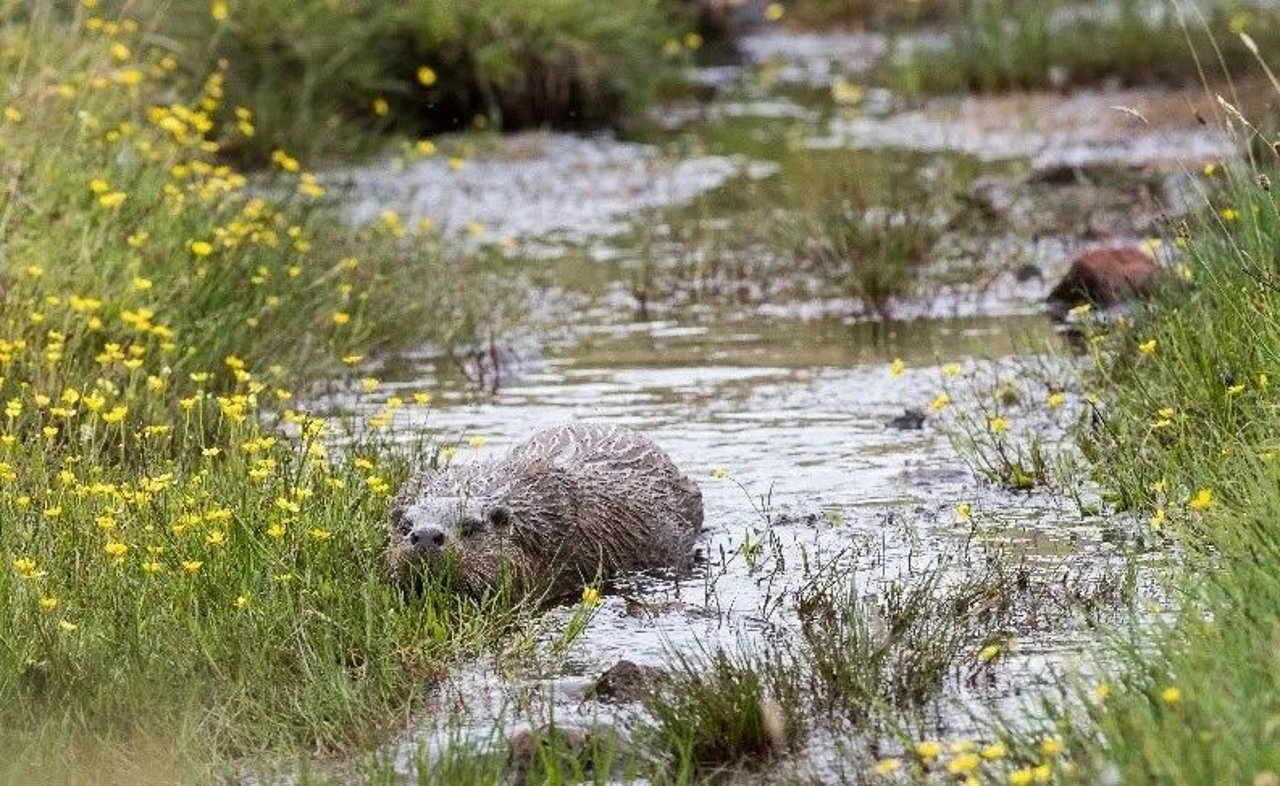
point(427, 539)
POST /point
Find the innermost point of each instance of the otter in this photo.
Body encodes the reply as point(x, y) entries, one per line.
point(570, 506)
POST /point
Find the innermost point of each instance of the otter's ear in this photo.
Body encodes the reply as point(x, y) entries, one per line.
point(501, 517)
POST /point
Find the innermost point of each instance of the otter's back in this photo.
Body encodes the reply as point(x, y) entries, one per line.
point(578, 444)
point(621, 464)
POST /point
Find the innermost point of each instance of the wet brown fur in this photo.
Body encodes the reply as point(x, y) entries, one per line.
point(587, 502)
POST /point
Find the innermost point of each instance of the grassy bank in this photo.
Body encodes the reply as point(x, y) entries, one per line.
point(1188, 444)
point(1183, 439)
point(190, 572)
point(998, 45)
point(332, 78)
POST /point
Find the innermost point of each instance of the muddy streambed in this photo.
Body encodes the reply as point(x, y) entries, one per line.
point(780, 409)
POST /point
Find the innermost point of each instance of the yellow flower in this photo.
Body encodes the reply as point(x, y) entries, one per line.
point(48, 603)
point(692, 41)
point(1147, 347)
point(964, 511)
point(1229, 214)
point(425, 147)
point(1055, 400)
point(276, 531)
point(1043, 773)
point(963, 764)
point(308, 186)
point(1101, 692)
point(1080, 310)
point(115, 549)
point(13, 114)
point(1202, 500)
point(940, 403)
point(456, 163)
point(192, 566)
point(67, 626)
point(719, 473)
point(928, 750)
point(317, 533)
point(846, 92)
point(369, 384)
point(217, 538)
point(590, 597)
point(201, 248)
point(218, 10)
point(995, 750)
point(896, 368)
point(1171, 695)
point(887, 766)
point(152, 567)
point(477, 442)
point(422, 399)
point(1050, 747)
point(426, 76)
point(989, 653)
point(998, 425)
point(27, 569)
point(952, 370)
point(341, 318)
point(113, 199)
point(1022, 777)
point(1209, 169)
point(1157, 519)
point(285, 161)
point(381, 107)
point(775, 11)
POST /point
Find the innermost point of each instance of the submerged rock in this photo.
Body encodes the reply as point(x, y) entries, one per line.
point(1104, 277)
point(626, 681)
point(1027, 273)
point(910, 420)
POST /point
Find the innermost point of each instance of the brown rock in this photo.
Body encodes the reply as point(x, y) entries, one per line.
point(626, 681)
point(1105, 277)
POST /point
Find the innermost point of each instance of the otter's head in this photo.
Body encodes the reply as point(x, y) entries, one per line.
point(460, 534)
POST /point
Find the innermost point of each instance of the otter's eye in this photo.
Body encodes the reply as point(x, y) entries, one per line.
point(500, 517)
point(469, 526)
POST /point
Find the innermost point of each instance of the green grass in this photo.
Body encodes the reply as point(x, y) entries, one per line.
point(1185, 442)
point(999, 45)
point(190, 571)
point(1189, 438)
point(336, 77)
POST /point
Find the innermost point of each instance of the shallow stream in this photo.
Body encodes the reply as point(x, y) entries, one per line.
point(779, 410)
